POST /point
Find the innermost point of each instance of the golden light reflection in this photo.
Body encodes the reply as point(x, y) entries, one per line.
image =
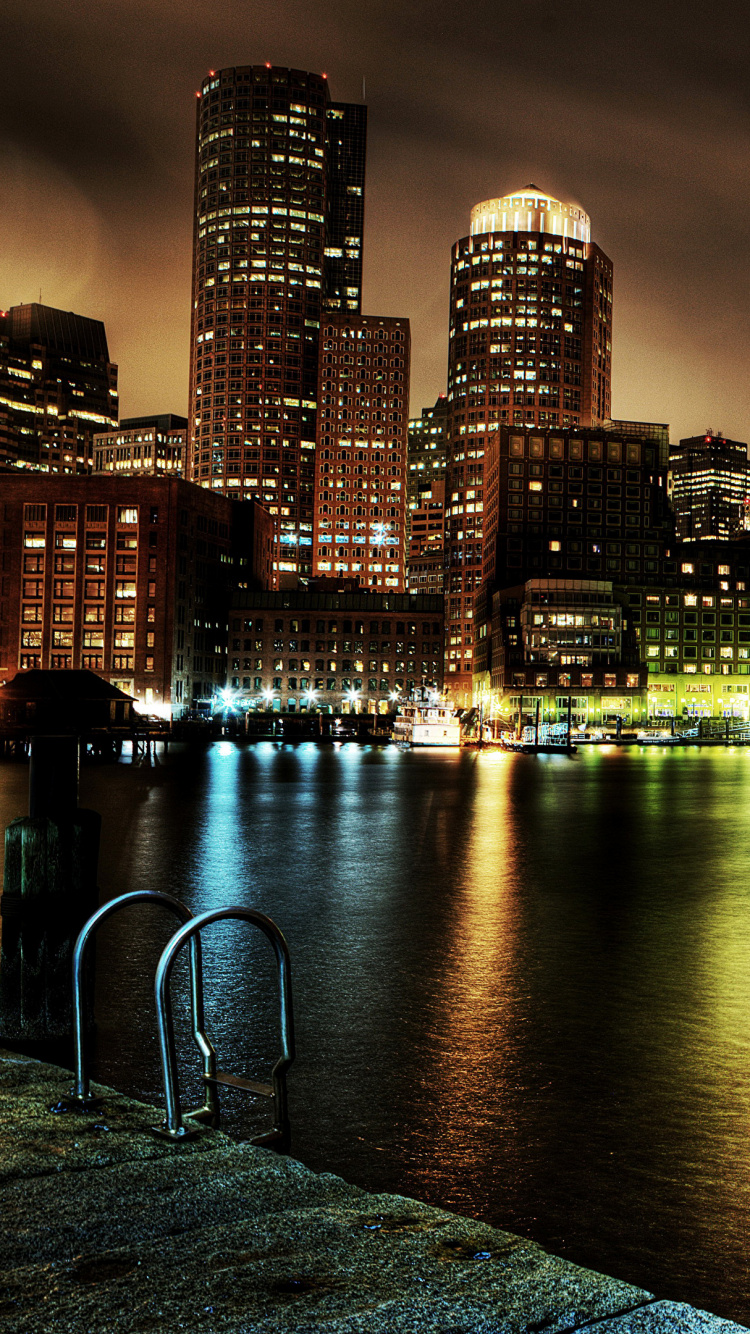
point(467, 1060)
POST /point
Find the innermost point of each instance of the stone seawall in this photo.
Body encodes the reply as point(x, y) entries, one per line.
point(106, 1228)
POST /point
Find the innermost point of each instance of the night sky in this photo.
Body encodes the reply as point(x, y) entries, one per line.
point(638, 112)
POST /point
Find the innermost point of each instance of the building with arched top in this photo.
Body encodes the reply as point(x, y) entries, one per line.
point(530, 347)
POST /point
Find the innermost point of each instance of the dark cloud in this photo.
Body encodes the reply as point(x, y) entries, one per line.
point(638, 112)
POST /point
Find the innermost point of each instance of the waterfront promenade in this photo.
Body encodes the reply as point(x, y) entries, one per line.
point(107, 1228)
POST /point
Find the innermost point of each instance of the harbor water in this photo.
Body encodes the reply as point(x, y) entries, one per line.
point(522, 984)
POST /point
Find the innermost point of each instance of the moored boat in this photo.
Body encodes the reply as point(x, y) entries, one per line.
point(429, 722)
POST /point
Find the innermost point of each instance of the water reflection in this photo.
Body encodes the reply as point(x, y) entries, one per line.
point(522, 985)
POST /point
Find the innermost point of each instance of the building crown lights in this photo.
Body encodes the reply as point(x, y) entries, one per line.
point(531, 210)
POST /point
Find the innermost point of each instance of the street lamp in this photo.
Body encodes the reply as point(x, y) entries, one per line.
point(310, 696)
point(353, 697)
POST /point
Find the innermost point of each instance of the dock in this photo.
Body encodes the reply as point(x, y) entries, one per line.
point(106, 1227)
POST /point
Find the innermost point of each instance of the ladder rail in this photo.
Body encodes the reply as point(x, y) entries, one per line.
point(174, 1127)
point(80, 1094)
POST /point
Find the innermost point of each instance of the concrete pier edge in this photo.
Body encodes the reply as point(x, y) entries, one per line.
point(106, 1227)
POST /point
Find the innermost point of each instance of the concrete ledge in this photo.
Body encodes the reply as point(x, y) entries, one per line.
point(108, 1228)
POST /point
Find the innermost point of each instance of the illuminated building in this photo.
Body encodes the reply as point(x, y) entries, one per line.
point(296, 650)
point(57, 388)
point(129, 577)
point(426, 541)
point(427, 452)
point(143, 445)
point(530, 346)
point(578, 505)
point(360, 467)
point(557, 640)
point(710, 487)
point(279, 184)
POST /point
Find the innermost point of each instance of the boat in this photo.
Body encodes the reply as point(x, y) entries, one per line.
point(654, 737)
point(426, 723)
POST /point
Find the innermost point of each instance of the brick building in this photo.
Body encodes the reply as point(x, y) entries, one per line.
point(361, 463)
point(334, 651)
point(129, 577)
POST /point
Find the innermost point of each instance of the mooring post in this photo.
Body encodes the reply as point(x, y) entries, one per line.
point(49, 892)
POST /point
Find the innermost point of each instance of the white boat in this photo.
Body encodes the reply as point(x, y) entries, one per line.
point(426, 724)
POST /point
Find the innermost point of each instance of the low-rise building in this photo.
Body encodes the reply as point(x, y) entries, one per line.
point(296, 650)
point(128, 577)
point(142, 446)
point(564, 644)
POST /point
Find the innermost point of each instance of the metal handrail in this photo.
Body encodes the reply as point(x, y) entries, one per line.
point(80, 1095)
point(173, 1126)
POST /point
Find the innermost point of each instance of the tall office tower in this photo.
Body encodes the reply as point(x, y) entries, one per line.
point(710, 487)
point(530, 345)
point(279, 181)
point(345, 220)
point(360, 472)
point(57, 387)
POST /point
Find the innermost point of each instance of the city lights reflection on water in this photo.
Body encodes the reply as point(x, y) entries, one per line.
point(522, 985)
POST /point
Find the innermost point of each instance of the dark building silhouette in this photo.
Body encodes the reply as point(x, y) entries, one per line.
point(57, 388)
point(279, 185)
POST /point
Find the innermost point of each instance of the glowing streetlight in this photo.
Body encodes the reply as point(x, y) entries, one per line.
point(353, 697)
point(310, 697)
point(225, 700)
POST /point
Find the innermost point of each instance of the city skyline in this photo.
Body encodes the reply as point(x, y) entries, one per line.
point(648, 150)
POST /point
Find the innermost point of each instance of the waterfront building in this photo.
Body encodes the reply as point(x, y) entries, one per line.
point(360, 467)
point(143, 445)
point(561, 644)
point(279, 214)
point(128, 577)
point(530, 348)
point(709, 481)
point(335, 651)
point(578, 505)
point(57, 388)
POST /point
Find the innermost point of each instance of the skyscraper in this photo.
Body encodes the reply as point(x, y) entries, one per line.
point(530, 345)
point(279, 184)
point(57, 387)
